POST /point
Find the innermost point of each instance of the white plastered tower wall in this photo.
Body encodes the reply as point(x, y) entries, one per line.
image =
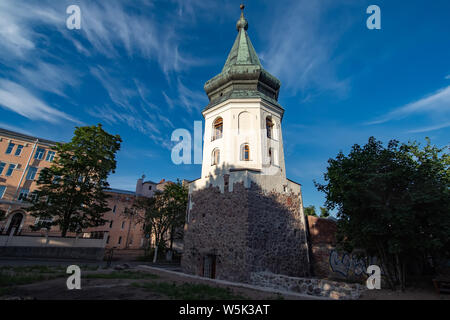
point(244, 122)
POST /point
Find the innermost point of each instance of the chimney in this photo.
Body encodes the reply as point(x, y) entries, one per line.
point(139, 185)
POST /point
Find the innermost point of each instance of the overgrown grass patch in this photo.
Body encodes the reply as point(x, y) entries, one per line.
point(11, 276)
point(122, 275)
point(188, 291)
point(5, 290)
point(32, 269)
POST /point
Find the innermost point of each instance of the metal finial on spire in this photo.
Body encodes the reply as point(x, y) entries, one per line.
point(242, 22)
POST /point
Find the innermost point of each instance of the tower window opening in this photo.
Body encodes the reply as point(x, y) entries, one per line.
point(245, 152)
point(215, 157)
point(217, 129)
point(269, 127)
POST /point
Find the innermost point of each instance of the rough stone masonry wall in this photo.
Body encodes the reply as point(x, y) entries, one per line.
point(331, 263)
point(312, 287)
point(217, 225)
point(248, 231)
point(276, 235)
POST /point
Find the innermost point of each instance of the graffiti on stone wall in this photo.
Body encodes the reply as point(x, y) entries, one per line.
point(348, 265)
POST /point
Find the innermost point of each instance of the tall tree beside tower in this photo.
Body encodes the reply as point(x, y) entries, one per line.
point(71, 192)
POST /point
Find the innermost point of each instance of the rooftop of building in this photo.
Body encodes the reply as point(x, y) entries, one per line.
point(25, 137)
point(112, 190)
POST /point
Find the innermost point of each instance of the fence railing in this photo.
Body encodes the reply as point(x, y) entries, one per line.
point(20, 239)
point(29, 232)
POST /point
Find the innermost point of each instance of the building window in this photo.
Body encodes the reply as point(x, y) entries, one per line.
point(123, 224)
point(215, 157)
point(31, 173)
point(269, 127)
point(43, 221)
point(2, 191)
point(2, 166)
point(40, 152)
point(34, 196)
point(114, 209)
point(10, 170)
point(270, 156)
point(10, 148)
point(107, 239)
point(120, 240)
point(50, 156)
point(149, 187)
point(217, 129)
point(18, 150)
point(245, 152)
point(110, 224)
point(23, 194)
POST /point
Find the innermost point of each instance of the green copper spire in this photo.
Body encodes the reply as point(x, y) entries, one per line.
point(242, 75)
point(242, 52)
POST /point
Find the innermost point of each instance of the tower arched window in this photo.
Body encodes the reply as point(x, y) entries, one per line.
point(217, 129)
point(270, 156)
point(215, 157)
point(245, 152)
point(269, 127)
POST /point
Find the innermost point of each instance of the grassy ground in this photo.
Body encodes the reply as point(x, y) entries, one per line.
point(187, 291)
point(49, 283)
point(122, 275)
point(15, 276)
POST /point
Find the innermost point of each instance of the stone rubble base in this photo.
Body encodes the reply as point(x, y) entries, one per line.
point(308, 286)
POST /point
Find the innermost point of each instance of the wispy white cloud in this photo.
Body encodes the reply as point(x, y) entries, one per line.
point(8, 126)
point(447, 77)
point(192, 100)
point(49, 77)
point(299, 50)
point(112, 26)
point(431, 128)
point(436, 103)
point(18, 99)
point(119, 92)
point(17, 19)
point(108, 28)
point(170, 102)
point(186, 99)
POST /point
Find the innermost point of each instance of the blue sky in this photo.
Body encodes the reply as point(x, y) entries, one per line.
point(138, 67)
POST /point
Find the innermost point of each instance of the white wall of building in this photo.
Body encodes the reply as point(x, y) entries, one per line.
point(244, 121)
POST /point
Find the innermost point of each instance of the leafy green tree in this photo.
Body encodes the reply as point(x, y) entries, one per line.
point(324, 212)
point(71, 193)
point(310, 211)
point(176, 195)
point(150, 212)
point(392, 201)
point(163, 214)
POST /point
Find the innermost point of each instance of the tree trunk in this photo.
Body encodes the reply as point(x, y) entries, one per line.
point(399, 269)
point(63, 232)
point(157, 241)
point(386, 265)
point(171, 238)
point(403, 278)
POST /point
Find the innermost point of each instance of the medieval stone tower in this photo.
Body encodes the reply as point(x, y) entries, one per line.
point(244, 215)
